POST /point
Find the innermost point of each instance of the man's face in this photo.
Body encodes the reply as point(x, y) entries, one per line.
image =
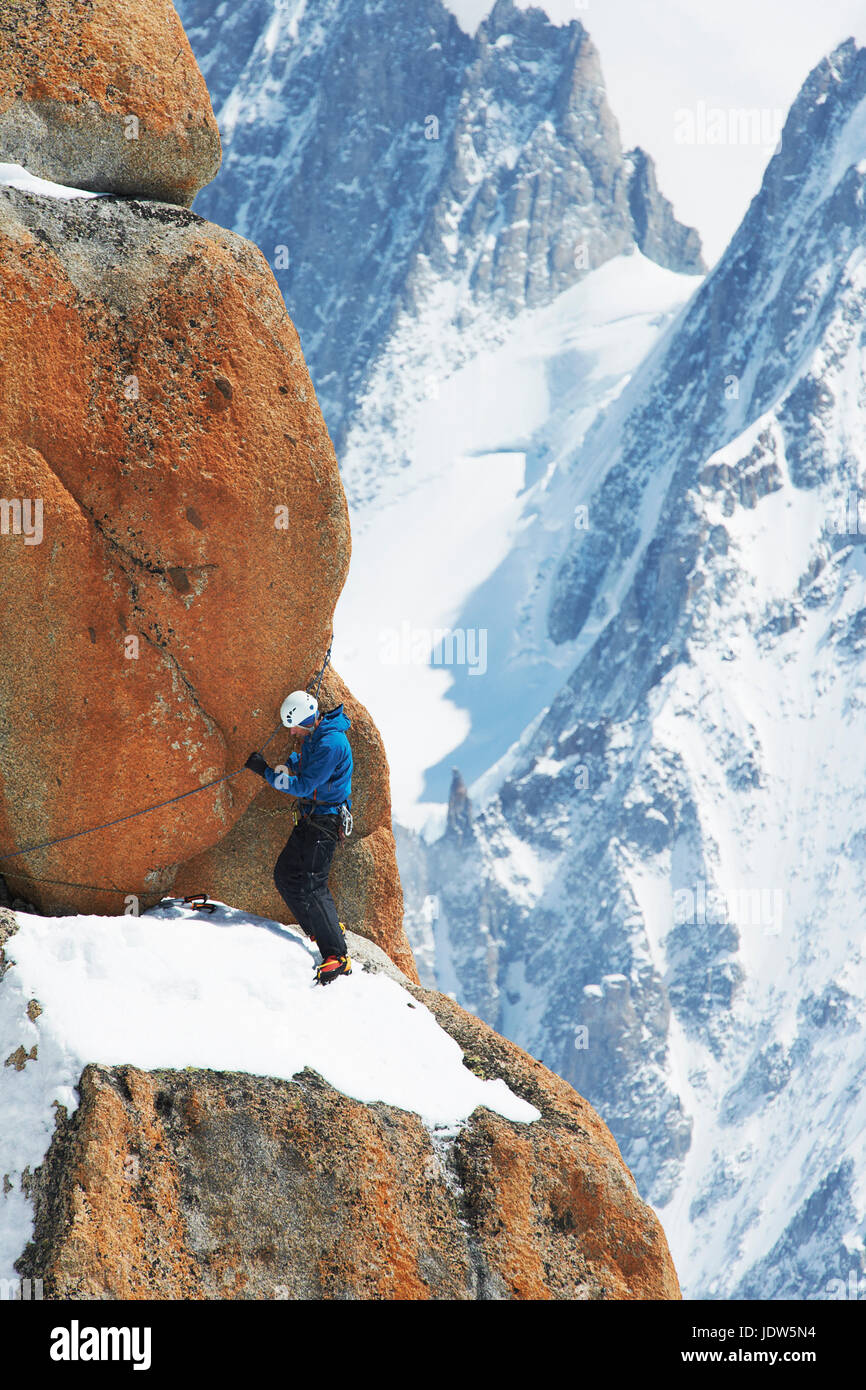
point(304, 733)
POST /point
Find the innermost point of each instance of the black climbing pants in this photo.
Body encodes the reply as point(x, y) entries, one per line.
point(301, 875)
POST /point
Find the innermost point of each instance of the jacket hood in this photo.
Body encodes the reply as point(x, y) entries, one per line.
point(335, 721)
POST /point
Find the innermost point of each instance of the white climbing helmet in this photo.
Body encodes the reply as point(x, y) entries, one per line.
point(299, 708)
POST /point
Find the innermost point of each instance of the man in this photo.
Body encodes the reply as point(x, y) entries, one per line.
point(320, 776)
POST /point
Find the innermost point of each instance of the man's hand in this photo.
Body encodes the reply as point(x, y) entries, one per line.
point(256, 763)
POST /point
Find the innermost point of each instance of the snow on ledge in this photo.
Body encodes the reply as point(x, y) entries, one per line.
point(16, 176)
point(228, 992)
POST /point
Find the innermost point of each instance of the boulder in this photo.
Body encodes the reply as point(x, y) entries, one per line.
point(105, 95)
point(173, 540)
point(207, 1185)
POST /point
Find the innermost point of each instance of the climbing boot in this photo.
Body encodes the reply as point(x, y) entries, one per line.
point(331, 967)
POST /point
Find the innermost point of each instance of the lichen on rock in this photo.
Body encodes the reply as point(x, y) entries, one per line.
point(105, 95)
point(194, 541)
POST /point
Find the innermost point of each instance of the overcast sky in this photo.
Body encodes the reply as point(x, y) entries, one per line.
point(663, 58)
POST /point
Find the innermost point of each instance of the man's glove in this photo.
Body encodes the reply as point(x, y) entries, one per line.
point(256, 763)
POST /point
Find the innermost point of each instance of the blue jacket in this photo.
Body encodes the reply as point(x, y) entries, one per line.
point(322, 772)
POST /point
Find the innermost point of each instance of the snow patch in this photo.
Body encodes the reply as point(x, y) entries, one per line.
point(16, 176)
point(228, 992)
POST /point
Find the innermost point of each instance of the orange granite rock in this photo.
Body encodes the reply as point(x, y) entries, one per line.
point(105, 95)
point(155, 404)
point(196, 1184)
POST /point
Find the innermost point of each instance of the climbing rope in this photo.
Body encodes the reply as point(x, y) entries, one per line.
point(66, 883)
point(134, 815)
point(325, 664)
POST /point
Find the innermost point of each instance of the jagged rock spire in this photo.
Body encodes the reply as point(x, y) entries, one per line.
point(459, 822)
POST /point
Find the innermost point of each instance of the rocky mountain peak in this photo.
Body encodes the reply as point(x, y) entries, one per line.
point(676, 819)
point(526, 25)
point(491, 163)
point(441, 1162)
point(459, 819)
point(657, 232)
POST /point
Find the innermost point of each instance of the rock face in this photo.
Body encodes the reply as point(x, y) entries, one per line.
point(105, 95)
point(192, 540)
point(657, 231)
point(201, 1185)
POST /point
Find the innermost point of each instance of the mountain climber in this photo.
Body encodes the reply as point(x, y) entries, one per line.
point(320, 776)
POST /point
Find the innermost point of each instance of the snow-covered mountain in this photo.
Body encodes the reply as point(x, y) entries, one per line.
point(642, 521)
point(475, 266)
point(662, 891)
point(378, 154)
point(443, 621)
